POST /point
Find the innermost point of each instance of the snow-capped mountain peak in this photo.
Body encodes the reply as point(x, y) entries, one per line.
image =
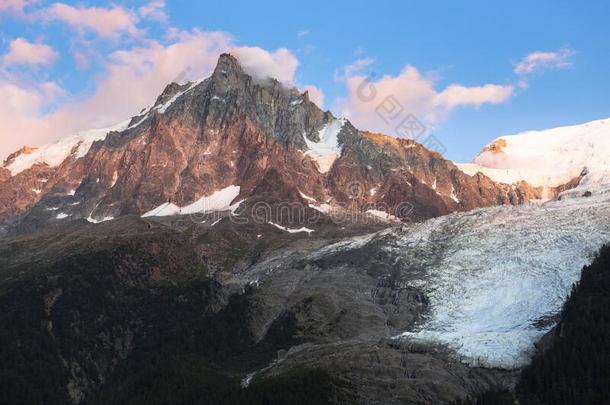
point(54, 154)
point(549, 158)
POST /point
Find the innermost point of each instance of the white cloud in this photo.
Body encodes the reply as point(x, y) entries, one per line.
point(539, 61)
point(303, 33)
point(154, 10)
point(22, 52)
point(457, 95)
point(108, 23)
point(382, 104)
point(259, 63)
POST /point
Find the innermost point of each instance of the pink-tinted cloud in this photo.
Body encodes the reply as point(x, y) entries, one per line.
point(22, 52)
point(20, 109)
point(131, 80)
point(105, 22)
point(381, 104)
point(12, 6)
point(457, 95)
point(154, 10)
point(539, 61)
point(280, 64)
point(315, 94)
point(259, 63)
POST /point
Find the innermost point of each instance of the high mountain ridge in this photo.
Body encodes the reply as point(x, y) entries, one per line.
point(227, 130)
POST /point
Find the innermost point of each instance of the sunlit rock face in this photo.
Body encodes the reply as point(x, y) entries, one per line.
point(230, 129)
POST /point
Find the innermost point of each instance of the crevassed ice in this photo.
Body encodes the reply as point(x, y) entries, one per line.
point(496, 277)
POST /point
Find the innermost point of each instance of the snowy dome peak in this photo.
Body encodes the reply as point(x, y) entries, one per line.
point(548, 158)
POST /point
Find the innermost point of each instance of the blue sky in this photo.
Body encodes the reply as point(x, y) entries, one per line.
point(464, 60)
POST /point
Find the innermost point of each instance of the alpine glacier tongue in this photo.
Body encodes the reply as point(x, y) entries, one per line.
point(496, 277)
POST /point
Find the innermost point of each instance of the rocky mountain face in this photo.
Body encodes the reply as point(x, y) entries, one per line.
point(232, 129)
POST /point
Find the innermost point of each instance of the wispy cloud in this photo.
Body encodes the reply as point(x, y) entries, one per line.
point(540, 61)
point(22, 52)
point(13, 6)
point(154, 10)
point(302, 33)
point(352, 69)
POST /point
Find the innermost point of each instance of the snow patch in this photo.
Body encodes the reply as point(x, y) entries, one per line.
point(454, 196)
point(383, 215)
point(163, 108)
point(307, 197)
point(323, 208)
point(99, 220)
point(219, 201)
point(54, 154)
point(289, 230)
point(327, 149)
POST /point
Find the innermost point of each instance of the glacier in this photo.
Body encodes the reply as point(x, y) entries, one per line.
point(495, 278)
